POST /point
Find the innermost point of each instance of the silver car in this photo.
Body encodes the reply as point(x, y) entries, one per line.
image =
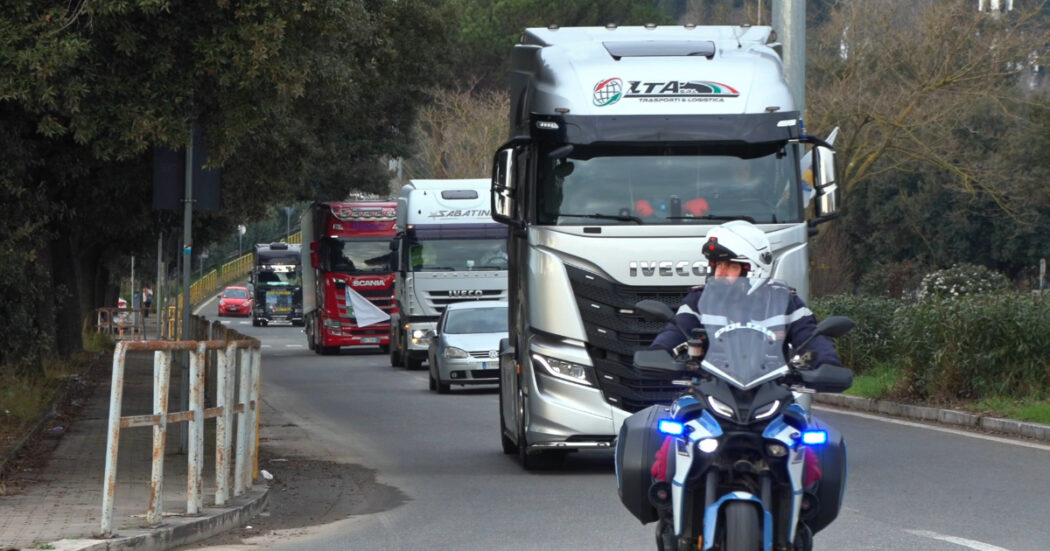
point(464, 347)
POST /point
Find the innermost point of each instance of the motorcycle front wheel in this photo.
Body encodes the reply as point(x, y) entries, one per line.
point(743, 531)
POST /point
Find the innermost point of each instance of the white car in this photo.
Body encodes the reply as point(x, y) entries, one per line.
point(464, 347)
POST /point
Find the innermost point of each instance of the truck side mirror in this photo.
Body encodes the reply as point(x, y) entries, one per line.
point(503, 204)
point(824, 180)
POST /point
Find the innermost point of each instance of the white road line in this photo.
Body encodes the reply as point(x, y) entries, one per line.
point(295, 346)
point(978, 546)
point(978, 435)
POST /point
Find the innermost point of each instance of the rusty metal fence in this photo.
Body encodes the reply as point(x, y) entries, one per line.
point(237, 371)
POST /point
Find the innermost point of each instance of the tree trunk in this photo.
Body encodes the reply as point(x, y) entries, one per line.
point(65, 298)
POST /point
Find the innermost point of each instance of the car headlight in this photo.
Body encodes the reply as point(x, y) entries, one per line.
point(453, 353)
point(562, 369)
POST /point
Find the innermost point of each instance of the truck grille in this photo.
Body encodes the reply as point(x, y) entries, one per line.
point(613, 336)
point(440, 299)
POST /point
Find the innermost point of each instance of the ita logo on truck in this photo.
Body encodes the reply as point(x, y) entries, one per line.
point(608, 92)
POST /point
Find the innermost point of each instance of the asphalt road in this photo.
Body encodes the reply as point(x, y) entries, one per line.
point(427, 471)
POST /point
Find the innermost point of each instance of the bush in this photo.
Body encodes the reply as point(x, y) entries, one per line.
point(871, 341)
point(961, 280)
point(971, 347)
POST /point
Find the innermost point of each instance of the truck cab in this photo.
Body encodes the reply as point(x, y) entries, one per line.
point(627, 145)
point(447, 249)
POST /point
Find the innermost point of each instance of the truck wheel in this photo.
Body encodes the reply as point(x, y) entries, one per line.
point(509, 446)
point(395, 357)
point(412, 363)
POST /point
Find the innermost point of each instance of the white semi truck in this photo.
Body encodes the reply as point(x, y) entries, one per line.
point(447, 249)
point(626, 146)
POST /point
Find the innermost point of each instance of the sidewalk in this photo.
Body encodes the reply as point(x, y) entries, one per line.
point(59, 506)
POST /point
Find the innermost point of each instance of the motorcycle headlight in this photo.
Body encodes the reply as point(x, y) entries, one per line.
point(453, 353)
point(565, 370)
point(767, 410)
point(719, 407)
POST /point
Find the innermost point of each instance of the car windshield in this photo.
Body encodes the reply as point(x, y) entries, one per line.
point(671, 185)
point(477, 320)
point(235, 293)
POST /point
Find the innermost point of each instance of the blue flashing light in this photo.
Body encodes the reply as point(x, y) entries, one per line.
point(673, 428)
point(815, 437)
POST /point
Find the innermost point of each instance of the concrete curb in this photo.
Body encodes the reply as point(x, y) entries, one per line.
point(950, 417)
point(178, 530)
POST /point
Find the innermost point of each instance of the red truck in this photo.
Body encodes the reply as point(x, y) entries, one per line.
point(346, 250)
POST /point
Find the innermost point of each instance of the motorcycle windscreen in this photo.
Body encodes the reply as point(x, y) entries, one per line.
point(746, 325)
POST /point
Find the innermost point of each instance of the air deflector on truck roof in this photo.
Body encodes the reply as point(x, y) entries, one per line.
point(655, 48)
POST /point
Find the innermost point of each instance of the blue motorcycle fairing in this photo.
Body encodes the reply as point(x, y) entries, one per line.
point(711, 519)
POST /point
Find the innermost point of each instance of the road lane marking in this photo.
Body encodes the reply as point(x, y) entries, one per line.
point(959, 432)
point(972, 544)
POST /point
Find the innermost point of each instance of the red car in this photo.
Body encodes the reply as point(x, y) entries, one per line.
point(235, 301)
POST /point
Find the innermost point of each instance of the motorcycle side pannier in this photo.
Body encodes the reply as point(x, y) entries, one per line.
point(832, 486)
point(636, 446)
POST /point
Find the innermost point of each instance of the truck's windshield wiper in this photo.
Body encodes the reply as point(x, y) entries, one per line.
point(620, 217)
point(724, 217)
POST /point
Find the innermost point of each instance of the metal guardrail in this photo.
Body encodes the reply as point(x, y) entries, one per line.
point(238, 366)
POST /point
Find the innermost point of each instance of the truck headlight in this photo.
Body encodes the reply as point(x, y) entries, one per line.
point(418, 333)
point(453, 353)
point(562, 369)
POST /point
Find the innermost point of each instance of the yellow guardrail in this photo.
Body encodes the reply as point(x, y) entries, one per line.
point(210, 283)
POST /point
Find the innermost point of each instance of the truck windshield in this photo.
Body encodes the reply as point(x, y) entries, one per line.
point(455, 255)
point(359, 256)
point(279, 276)
point(596, 185)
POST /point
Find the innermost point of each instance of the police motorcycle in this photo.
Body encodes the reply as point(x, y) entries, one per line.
point(734, 477)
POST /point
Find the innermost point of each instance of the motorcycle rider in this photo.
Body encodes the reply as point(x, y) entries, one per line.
point(739, 249)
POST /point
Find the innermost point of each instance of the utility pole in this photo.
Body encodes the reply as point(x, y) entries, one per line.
point(789, 21)
point(187, 275)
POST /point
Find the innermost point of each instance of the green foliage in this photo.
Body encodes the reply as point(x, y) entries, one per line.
point(974, 346)
point(877, 383)
point(298, 101)
point(487, 30)
point(871, 340)
point(967, 347)
point(961, 280)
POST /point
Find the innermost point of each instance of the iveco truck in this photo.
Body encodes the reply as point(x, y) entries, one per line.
point(448, 249)
point(626, 146)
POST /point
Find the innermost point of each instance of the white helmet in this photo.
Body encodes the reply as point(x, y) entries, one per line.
point(740, 241)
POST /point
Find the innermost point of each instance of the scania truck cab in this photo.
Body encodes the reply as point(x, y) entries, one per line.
point(448, 249)
point(345, 251)
point(626, 146)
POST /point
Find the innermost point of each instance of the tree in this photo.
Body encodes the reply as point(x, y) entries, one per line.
point(298, 100)
point(929, 102)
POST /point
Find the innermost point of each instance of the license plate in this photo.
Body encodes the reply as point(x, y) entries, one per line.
point(484, 365)
point(370, 340)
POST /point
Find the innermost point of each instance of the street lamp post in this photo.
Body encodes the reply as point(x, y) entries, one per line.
point(241, 230)
point(288, 222)
point(203, 257)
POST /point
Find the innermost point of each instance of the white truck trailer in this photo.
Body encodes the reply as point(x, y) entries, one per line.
point(448, 249)
point(626, 146)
